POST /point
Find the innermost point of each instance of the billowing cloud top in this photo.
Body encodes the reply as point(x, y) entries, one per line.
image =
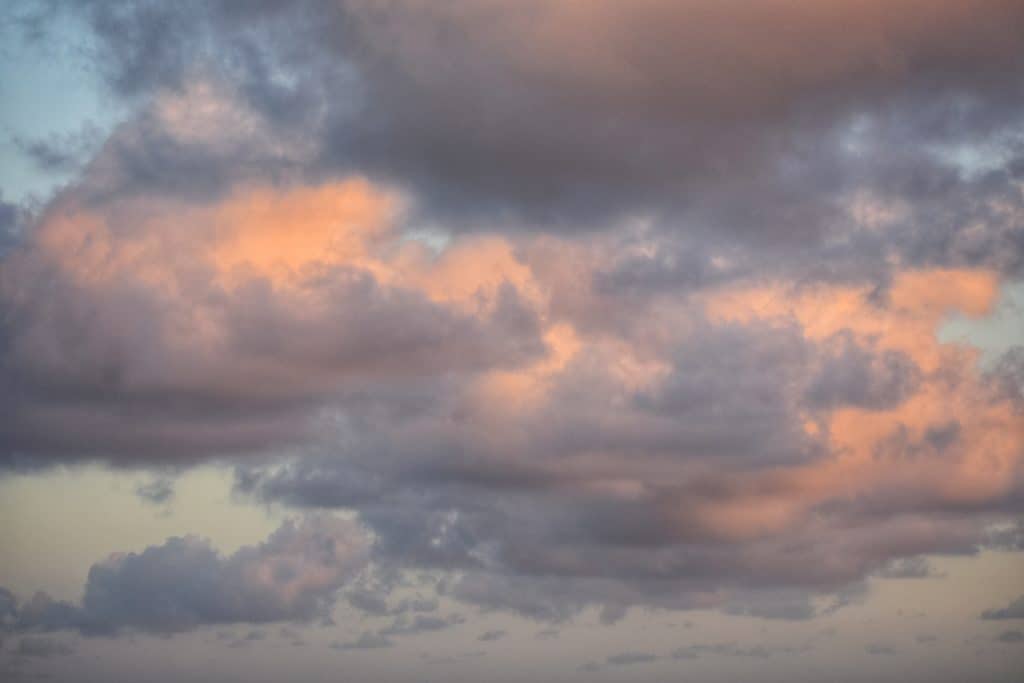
point(589, 303)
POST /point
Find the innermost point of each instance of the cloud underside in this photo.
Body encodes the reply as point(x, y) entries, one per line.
point(655, 324)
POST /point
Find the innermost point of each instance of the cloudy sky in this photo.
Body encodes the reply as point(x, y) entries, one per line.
point(524, 341)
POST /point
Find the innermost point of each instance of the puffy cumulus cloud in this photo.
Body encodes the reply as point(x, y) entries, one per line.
point(749, 449)
point(508, 107)
point(786, 124)
point(224, 326)
point(651, 324)
point(185, 583)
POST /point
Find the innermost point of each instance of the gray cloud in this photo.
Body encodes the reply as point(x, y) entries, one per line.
point(157, 491)
point(366, 641)
point(1015, 610)
point(491, 636)
point(851, 375)
point(724, 650)
point(631, 658)
point(181, 410)
point(184, 584)
point(675, 455)
point(420, 623)
point(907, 568)
point(42, 647)
point(680, 124)
point(879, 649)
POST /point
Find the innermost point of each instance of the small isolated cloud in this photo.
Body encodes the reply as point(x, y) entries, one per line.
point(907, 568)
point(1015, 610)
point(491, 636)
point(721, 650)
point(375, 603)
point(367, 641)
point(403, 626)
point(879, 649)
point(630, 658)
point(157, 491)
point(253, 636)
point(1011, 637)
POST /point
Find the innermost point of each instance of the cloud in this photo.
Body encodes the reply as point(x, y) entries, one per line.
point(284, 325)
point(62, 153)
point(1015, 610)
point(42, 647)
point(653, 325)
point(184, 584)
point(721, 650)
point(10, 219)
point(157, 491)
point(907, 568)
point(879, 649)
point(631, 658)
point(491, 636)
point(420, 623)
point(367, 641)
point(1010, 637)
point(374, 602)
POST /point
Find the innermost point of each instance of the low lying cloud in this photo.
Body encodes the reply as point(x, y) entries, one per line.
point(1015, 610)
point(367, 641)
point(41, 647)
point(185, 583)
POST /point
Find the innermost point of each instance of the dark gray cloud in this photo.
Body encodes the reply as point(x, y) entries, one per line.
point(185, 583)
point(1007, 373)
point(679, 124)
point(1015, 610)
point(1010, 637)
point(10, 220)
point(851, 375)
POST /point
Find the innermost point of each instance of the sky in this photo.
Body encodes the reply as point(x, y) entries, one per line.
point(512, 340)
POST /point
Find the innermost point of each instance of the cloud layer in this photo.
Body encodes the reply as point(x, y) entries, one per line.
point(650, 324)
